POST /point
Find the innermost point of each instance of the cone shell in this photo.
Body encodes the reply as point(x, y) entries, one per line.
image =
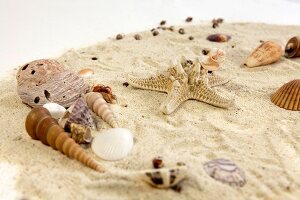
point(288, 96)
point(40, 125)
point(267, 53)
point(96, 102)
point(292, 48)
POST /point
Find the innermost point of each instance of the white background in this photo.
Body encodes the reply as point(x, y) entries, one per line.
point(33, 29)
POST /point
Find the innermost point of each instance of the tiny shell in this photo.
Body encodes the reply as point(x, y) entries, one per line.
point(81, 134)
point(225, 171)
point(266, 53)
point(214, 58)
point(288, 96)
point(164, 177)
point(292, 48)
point(113, 144)
point(218, 38)
point(56, 110)
point(86, 72)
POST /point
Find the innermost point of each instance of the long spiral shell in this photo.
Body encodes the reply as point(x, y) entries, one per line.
point(40, 125)
point(96, 102)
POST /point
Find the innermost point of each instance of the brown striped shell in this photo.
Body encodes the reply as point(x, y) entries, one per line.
point(288, 96)
point(292, 48)
point(41, 126)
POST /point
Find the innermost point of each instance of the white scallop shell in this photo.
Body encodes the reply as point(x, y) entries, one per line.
point(113, 144)
point(55, 109)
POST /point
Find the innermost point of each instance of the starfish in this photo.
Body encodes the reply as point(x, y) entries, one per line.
point(187, 80)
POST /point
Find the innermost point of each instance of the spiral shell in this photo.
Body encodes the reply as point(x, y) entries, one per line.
point(292, 48)
point(40, 125)
point(288, 96)
point(96, 102)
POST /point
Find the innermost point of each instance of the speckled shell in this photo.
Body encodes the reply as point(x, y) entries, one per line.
point(40, 125)
point(288, 96)
point(267, 53)
point(292, 48)
point(214, 58)
point(44, 81)
point(225, 171)
point(81, 134)
point(164, 177)
point(97, 104)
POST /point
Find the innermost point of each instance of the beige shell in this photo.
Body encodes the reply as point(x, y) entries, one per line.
point(288, 96)
point(96, 102)
point(267, 53)
point(44, 81)
point(292, 48)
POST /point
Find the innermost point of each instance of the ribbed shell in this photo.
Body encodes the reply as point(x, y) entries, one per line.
point(288, 96)
point(96, 102)
point(40, 125)
point(292, 48)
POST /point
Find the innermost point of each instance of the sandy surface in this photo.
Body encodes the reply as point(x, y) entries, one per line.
point(259, 137)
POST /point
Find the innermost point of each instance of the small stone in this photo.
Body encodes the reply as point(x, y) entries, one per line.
point(163, 22)
point(171, 28)
point(119, 37)
point(152, 29)
point(157, 162)
point(155, 33)
point(125, 84)
point(191, 37)
point(180, 164)
point(137, 37)
point(181, 31)
point(189, 19)
point(205, 51)
point(94, 58)
point(232, 46)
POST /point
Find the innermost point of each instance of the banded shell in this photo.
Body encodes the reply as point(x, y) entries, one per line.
point(96, 102)
point(40, 125)
point(292, 48)
point(78, 113)
point(113, 144)
point(56, 110)
point(81, 134)
point(225, 171)
point(44, 81)
point(164, 177)
point(214, 58)
point(218, 37)
point(288, 96)
point(267, 53)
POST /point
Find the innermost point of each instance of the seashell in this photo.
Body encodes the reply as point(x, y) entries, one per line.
point(96, 102)
point(40, 125)
point(218, 37)
point(164, 177)
point(85, 73)
point(157, 162)
point(292, 48)
point(225, 171)
point(81, 134)
point(106, 92)
point(56, 110)
point(267, 53)
point(113, 144)
point(288, 96)
point(214, 58)
point(44, 81)
point(78, 113)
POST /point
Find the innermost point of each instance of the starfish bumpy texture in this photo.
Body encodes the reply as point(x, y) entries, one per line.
point(187, 80)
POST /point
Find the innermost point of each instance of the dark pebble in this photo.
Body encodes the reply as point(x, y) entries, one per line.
point(191, 37)
point(205, 51)
point(152, 29)
point(137, 37)
point(181, 31)
point(171, 28)
point(157, 162)
point(119, 37)
point(189, 19)
point(125, 84)
point(94, 58)
point(155, 33)
point(163, 22)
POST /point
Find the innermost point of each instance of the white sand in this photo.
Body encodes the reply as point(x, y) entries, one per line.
point(258, 136)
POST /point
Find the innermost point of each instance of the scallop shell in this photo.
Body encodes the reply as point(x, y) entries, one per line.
point(267, 53)
point(288, 96)
point(56, 110)
point(44, 81)
point(113, 144)
point(214, 58)
point(164, 177)
point(78, 113)
point(40, 125)
point(81, 134)
point(292, 48)
point(218, 37)
point(225, 171)
point(96, 102)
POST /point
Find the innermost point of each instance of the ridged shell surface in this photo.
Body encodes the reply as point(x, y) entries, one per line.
point(113, 144)
point(288, 96)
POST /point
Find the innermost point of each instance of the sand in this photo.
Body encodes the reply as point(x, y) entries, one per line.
point(258, 136)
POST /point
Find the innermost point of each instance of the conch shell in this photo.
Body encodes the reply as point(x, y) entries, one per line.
point(213, 59)
point(267, 53)
point(44, 81)
point(96, 102)
point(292, 48)
point(40, 125)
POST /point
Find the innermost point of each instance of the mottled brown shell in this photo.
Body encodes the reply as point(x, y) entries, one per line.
point(40, 125)
point(288, 96)
point(292, 48)
point(218, 37)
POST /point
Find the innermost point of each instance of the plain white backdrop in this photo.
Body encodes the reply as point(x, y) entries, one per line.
point(34, 29)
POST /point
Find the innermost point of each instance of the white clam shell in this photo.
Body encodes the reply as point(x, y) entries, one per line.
point(113, 144)
point(55, 109)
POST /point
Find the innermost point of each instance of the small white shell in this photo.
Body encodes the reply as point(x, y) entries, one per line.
point(55, 109)
point(113, 144)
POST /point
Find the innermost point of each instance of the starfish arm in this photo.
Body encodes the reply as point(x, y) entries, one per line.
point(177, 95)
point(160, 83)
point(215, 80)
point(202, 92)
